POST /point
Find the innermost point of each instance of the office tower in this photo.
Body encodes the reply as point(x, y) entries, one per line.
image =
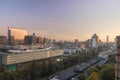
point(16, 36)
point(107, 39)
point(95, 41)
point(39, 40)
point(3, 40)
point(89, 43)
point(76, 41)
point(54, 41)
point(45, 40)
point(107, 42)
point(34, 41)
point(30, 39)
point(49, 41)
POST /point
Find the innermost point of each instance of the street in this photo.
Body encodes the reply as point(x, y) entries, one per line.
point(73, 72)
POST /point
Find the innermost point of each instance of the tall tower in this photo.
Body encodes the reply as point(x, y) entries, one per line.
point(107, 39)
point(107, 42)
point(117, 65)
point(95, 41)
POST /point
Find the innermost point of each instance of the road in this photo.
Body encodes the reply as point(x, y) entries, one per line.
point(103, 56)
point(72, 73)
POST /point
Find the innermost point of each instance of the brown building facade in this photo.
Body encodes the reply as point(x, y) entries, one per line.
point(117, 65)
point(3, 40)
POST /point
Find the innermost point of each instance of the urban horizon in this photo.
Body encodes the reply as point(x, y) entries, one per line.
point(71, 40)
point(59, 40)
point(62, 20)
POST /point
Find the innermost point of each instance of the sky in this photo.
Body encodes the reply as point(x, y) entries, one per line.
point(62, 19)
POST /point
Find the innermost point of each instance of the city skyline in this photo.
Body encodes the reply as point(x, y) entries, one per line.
point(62, 19)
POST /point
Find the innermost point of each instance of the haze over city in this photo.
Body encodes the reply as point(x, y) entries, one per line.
point(62, 19)
point(59, 39)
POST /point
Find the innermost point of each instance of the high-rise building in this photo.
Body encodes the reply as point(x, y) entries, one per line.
point(107, 38)
point(3, 40)
point(54, 41)
point(89, 43)
point(30, 39)
point(107, 42)
point(95, 41)
point(39, 40)
point(45, 40)
point(34, 39)
point(16, 36)
point(117, 65)
point(76, 41)
point(49, 41)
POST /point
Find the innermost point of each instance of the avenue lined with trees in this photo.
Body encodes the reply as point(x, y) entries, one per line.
point(44, 68)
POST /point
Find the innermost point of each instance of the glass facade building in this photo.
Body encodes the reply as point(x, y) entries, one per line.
point(16, 36)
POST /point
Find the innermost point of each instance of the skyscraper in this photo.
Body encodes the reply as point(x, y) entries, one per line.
point(95, 41)
point(16, 35)
point(107, 38)
point(107, 42)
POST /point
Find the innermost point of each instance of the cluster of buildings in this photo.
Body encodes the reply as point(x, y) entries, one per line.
point(117, 65)
point(18, 49)
point(20, 37)
point(94, 42)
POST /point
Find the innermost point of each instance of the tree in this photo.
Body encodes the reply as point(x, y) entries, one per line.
point(92, 69)
point(81, 77)
point(94, 76)
point(33, 70)
point(107, 73)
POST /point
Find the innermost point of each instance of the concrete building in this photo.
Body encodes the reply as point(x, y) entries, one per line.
point(89, 43)
point(107, 39)
point(39, 40)
point(107, 42)
point(76, 41)
point(45, 40)
point(34, 39)
point(117, 65)
point(30, 39)
point(17, 57)
point(16, 36)
point(95, 41)
point(3, 40)
point(54, 41)
point(49, 41)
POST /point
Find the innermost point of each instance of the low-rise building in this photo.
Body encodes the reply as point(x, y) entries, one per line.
point(15, 57)
point(3, 40)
